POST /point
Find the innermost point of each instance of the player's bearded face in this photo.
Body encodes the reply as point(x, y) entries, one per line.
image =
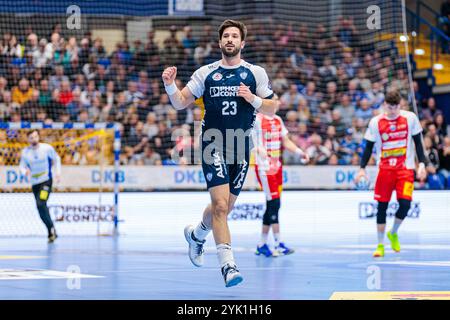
point(231, 43)
point(33, 139)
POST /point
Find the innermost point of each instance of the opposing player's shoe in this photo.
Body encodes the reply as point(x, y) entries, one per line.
point(195, 246)
point(395, 243)
point(231, 275)
point(264, 250)
point(379, 252)
point(52, 236)
point(282, 250)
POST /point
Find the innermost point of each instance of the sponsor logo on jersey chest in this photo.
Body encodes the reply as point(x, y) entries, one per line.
point(217, 76)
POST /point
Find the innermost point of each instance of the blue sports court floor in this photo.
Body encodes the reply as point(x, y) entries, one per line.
point(130, 267)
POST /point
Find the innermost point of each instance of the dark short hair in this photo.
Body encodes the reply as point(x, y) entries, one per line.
point(32, 131)
point(233, 23)
point(392, 97)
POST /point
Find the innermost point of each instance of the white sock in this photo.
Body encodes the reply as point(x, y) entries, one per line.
point(264, 237)
point(277, 239)
point(395, 227)
point(201, 231)
point(225, 254)
point(380, 237)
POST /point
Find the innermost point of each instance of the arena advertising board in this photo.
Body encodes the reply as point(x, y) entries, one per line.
point(336, 214)
point(187, 177)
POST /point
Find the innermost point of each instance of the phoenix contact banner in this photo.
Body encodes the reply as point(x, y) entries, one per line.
point(185, 177)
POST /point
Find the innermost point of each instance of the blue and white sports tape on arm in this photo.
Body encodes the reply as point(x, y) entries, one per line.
point(257, 102)
point(171, 89)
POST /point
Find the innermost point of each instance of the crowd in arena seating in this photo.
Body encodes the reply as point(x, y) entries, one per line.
point(329, 82)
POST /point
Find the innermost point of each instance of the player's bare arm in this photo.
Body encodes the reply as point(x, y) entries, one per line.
point(289, 145)
point(180, 99)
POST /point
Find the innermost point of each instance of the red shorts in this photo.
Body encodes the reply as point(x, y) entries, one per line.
point(400, 180)
point(271, 183)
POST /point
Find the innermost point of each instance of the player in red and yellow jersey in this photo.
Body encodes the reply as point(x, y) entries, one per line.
point(270, 137)
point(393, 134)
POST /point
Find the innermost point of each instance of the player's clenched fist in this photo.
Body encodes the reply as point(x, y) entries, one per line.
point(245, 93)
point(169, 75)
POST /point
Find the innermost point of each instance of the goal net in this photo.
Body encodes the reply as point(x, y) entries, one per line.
point(83, 202)
point(65, 62)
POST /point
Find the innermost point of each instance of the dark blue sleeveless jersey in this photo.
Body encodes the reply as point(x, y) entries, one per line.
point(219, 85)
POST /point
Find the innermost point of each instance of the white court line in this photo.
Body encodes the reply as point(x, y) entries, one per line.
point(189, 269)
point(407, 246)
point(417, 263)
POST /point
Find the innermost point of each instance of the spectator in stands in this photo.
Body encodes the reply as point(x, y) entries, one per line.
point(8, 106)
point(45, 95)
point(347, 148)
point(364, 111)
point(301, 138)
point(346, 32)
point(188, 41)
point(101, 78)
point(151, 126)
point(312, 96)
point(401, 83)
point(441, 127)
point(280, 83)
point(433, 135)
point(57, 78)
point(430, 111)
point(375, 95)
point(333, 160)
point(324, 113)
point(172, 52)
point(303, 110)
point(444, 161)
point(65, 93)
point(74, 107)
point(346, 109)
point(89, 94)
point(3, 86)
point(271, 65)
point(150, 157)
point(23, 92)
point(317, 152)
point(143, 84)
point(162, 107)
point(41, 57)
point(162, 142)
point(361, 80)
point(290, 99)
point(336, 121)
point(132, 94)
point(328, 72)
point(331, 96)
point(433, 179)
point(172, 119)
point(349, 63)
point(383, 78)
point(121, 79)
point(331, 142)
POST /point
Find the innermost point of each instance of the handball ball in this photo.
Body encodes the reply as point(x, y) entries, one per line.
point(363, 184)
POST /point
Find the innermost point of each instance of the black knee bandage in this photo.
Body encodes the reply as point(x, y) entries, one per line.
point(381, 213)
point(271, 213)
point(403, 208)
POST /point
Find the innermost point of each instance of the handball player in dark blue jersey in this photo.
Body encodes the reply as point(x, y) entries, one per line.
point(233, 91)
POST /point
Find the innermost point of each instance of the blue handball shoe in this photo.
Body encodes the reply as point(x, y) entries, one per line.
point(264, 250)
point(282, 250)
